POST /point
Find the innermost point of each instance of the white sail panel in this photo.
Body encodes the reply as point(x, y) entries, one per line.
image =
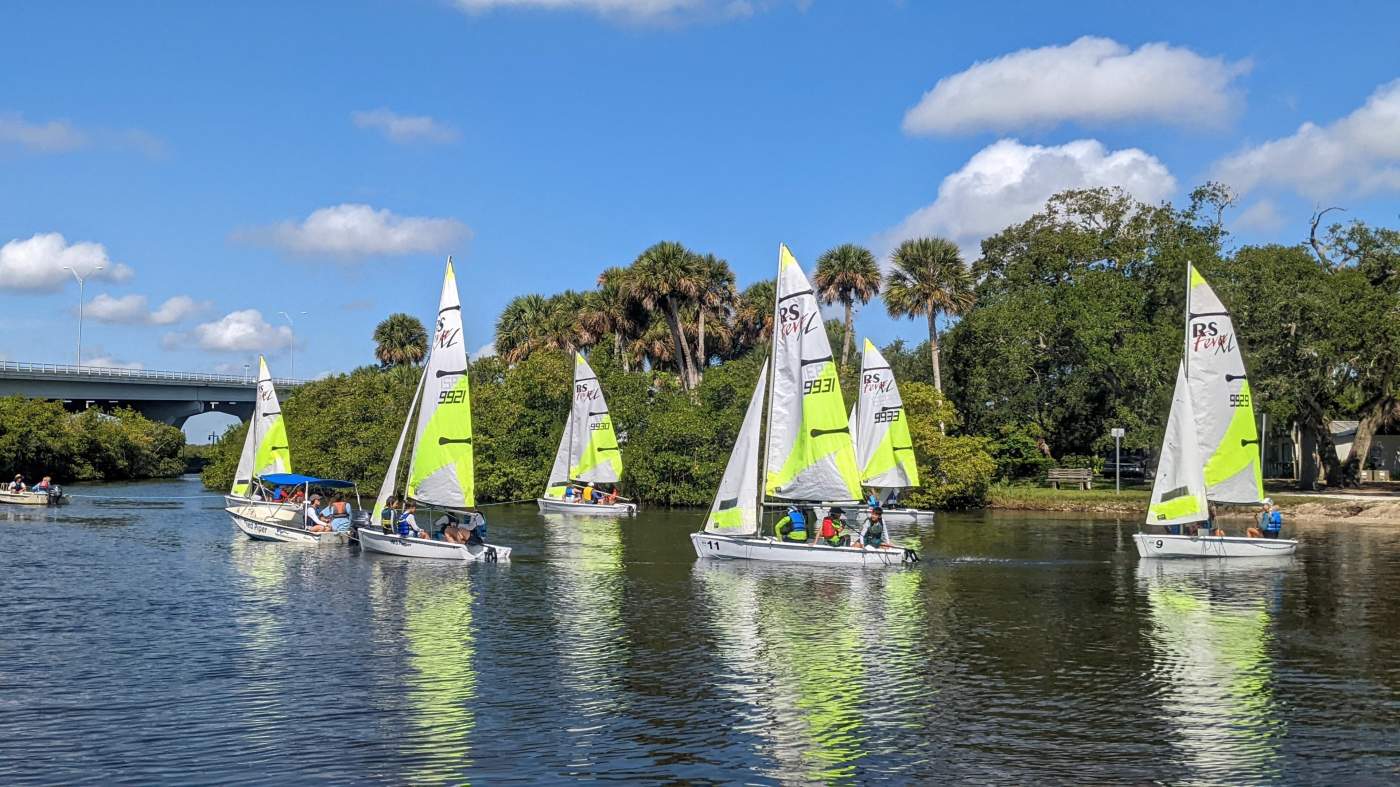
point(559, 472)
point(735, 510)
point(884, 448)
point(391, 475)
point(594, 456)
point(810, 455)
point(1179, 491)
point(265, 448)
point(1221, 399)
point(441, 471)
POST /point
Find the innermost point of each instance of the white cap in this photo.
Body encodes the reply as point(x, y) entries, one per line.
point(1268, 501)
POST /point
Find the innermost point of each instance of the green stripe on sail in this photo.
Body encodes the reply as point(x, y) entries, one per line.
point(727, 519)
point(240, 490)
point(601, 447)
point(273, 448)
point(1177, 507)
point(446, 442)
point(824, 433)
point(1239, 448)
point(895, 450)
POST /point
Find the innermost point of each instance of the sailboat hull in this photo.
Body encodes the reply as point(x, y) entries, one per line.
point(907, 516)
point(550, 505)
point(287, 531)
point(1169, 546)
point(372, 540)
point(712, 545)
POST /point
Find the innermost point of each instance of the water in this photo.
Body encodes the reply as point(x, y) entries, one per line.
point(144, 643)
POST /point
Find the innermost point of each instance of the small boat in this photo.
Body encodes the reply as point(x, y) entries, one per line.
point(442, 463)
point(588, 452)
point(286, 522)
point(265, 448)
point(884, 449)
point(54, 496)
point(809, 456)
point(1210, 452)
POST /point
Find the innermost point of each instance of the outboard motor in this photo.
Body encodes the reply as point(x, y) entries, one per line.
point(56, 496)
point(358, 520)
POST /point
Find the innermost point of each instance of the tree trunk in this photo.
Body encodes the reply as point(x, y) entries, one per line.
point(673, 321)
point(846, 340)
point(621, 353)
point(700, 357)
point(933, 351)
point(1373, 416)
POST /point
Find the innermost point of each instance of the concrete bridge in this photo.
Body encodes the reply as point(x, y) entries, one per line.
point(171, 397)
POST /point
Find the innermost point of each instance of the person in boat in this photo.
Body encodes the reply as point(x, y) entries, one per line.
point(476, 532)
point(408, 525)
point(1273, 524)
point(874, 533)
point(314, 522)
point(389, 516)
point(833, 530)
point(792, 527)
point(44, 485)
point(570, 493)
point(872, 500)
point(611, 497)
point(338, 512)
point(17, 485)
point(279, 495)
point(588, 494)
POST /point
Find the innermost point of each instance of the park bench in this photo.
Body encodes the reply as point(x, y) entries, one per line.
point(1082, 476)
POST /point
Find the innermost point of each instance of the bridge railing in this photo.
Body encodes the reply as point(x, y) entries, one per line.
point(109, 372)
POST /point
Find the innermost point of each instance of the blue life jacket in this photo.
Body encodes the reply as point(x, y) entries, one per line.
point(404, 529)
point(1274, 522)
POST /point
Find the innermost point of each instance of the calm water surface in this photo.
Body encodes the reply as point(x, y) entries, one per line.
point(147, 642)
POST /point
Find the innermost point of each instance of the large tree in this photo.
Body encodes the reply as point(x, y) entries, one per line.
point(400, 340)
point(668, 277)
point(715, 298)
point(929, 278)
point(520, 328)
point(845, 275)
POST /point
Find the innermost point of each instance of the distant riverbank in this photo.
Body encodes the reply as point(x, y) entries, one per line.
point(1351, 508)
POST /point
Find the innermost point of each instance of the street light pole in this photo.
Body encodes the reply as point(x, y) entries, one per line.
point(1117, 460)
point(291, 360)
point(80, 307)
point(245, 373)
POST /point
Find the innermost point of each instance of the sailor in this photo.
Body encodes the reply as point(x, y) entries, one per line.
point(314, 522)
point(833, 529)
point(339, 514)
point(792, 527)
point(408, 526)
point(477, 536)
point(17, 485)
point(44, 485)
point(1273, 523)
point(871, 499)
point(569, 493)
point(389, 516)
point(611, 497)
point(588, 494)
point(874, 533)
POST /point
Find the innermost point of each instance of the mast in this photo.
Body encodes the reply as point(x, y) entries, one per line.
point(1186, 335)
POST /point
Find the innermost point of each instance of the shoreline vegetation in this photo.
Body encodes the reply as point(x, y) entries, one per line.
point(1068, 326)
point(39, 438)
point(1381, 509)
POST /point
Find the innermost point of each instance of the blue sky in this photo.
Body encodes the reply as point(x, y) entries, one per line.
point(280, 157)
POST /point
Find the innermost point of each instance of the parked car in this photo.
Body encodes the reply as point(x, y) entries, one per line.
point(1128, 468)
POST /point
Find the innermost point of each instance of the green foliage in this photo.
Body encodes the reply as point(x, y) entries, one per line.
point(1016, 450)
point(39, 438)
point(1083, 461)
point(955, 470)
point(400, 340)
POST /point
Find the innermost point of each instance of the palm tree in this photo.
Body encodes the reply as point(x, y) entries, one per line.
point(400, 340)
point(716, 298)
point(928, 279)
point(560, 328)
point(846, 274)
point(667, 276)
point(610, 310)
point(519, 329)
point(753, 319)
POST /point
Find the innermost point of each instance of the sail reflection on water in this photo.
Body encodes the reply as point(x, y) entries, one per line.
point(1211, 633)
point(259, 618)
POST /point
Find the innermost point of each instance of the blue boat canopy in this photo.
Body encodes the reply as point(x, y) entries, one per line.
point(297, 479)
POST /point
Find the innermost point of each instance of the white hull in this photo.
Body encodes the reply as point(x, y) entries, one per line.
point(372, 540)
point(712, 545)
point(550, 505)
point(26, 498)
point(261, 509)
point(907, 516)
point(267, 530)
point(1169, 546)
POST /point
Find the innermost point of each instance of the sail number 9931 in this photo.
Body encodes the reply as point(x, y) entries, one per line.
point(819, 385)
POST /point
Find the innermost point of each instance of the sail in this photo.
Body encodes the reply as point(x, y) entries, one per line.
point(593, 453)
point(441, 470)
point(265, 449)
point(559, 473)
point(735, 510)
point(810, 455)
point(884, 449)
point(391, 476)
point(1179, 493)
point(1221, 398)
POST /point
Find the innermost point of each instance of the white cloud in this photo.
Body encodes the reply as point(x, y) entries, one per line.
point(353, 230)
point(1358, 154)
point(55, 136)
point(1092, 81)
point(239, 331)
point(1006, 182)
point(99, 357)
point(1262, 216)
point(37, 264)
point(484, 351)
point(135, 310)
point(404, 129)
point(648, 11)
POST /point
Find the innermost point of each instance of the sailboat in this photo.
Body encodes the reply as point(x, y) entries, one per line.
point(1210, 452)
point(588, 452)
point(441, 469)
point(265, 448)
point(880, 430)
point(809, 457)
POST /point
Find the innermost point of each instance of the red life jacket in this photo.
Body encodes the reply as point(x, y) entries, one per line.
point(828, 528)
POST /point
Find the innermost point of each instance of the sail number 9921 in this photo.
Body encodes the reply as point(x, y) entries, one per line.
point(454, 396)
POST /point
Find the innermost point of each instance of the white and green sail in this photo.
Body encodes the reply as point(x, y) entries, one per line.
point(735, 510)
point(1221, 399)
point(884, 449)
point(391, 476)
point(441, 471)
point(588, 450)
point(810, 455)
point(265, 448)
point(1179, 491)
